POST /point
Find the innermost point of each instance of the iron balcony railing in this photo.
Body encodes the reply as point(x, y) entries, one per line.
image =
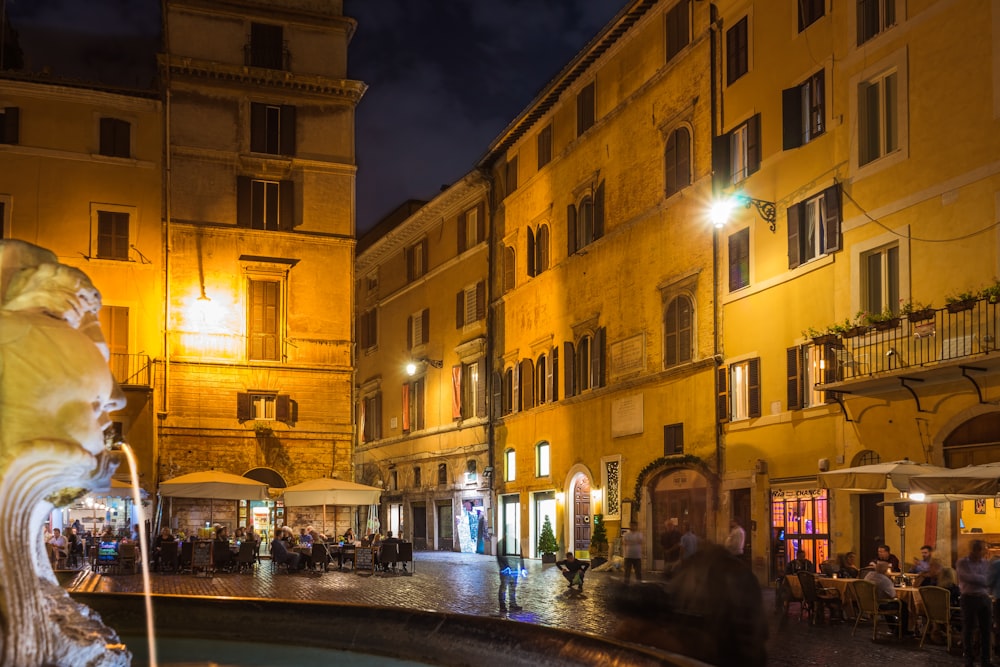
point(132, 370)
point(958, 331)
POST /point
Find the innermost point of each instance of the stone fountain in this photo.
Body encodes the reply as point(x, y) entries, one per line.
point(56, 391)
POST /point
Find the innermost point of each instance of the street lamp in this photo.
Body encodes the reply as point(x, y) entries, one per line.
point(722, 208)
point(411, 367)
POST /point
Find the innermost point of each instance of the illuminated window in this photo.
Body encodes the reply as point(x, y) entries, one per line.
point(800, 519)
point(510, 465)
point(807, 366)
point(473, 389)
point(739, 390)
point(542, 459)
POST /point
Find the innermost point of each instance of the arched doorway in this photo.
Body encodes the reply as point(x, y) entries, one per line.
point(973, 442)
point(678, 496)
point(265, 515)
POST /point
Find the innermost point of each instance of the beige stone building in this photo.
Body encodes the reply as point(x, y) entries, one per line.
point(422, 371)
point(260, 249)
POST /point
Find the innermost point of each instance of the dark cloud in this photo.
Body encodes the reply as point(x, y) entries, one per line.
point(104, 17)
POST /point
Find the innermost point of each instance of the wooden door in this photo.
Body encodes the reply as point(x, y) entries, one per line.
point(581, 514)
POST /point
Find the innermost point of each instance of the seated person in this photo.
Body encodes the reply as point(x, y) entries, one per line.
point(885, 555)
point(280, 553)
point(57, 546)
point(885, 591)
point(800, 564)
point(573, 569)
point(164, 536)
point(389, 539)
point(930, 576)
point(849, 566)
point(349, 537)
point(922, 563)
point(222, 554)
point(305, 536)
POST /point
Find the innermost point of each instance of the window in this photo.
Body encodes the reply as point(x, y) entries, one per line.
point(814, 227)
point(810, 11)
point(509, 466)
point(736, 154)
point(538, 250)
point(416, 476)
point(473, 389)
point(507, 387)
point(678, 27)
point(263, 320)
point(443, 476)
point(737, 50)
point(272, 128)
point(267, 205)
point(880, 279)
point(677, 158)
point(512, 174)
point(418, 329)
point(371, 417)
point(878, 112)
point(525, 397)
point(112, 235)
point(413, 405)
point(739, 259)
point(394, 480)
point(509, 266)
point(874, 16)
point(267, 47)
point(583, 363)
point(809, 365)
point(739, 390)
point(471, 228)
point(673, 439)
point(368, 329)
point(115, 137)
point(263, 406)
point(585, 222)
point(586, 109)
point(471, 471)
point(470, 305)
point(10, 125)
point(114, 327)
point(416, 260)
point(545, 146)
point(803, 518)
point(678, 331)
point(542, 457)
point(803, 112)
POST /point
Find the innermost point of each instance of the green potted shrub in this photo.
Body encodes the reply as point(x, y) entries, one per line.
point(547, 545)
point(916, 311)
point(991, 292)
point(885, 319)
point(598, 537)
point(956, 303)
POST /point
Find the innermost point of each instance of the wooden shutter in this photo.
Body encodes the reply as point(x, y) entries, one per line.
point(264, 320)
point(409, 332)
point(554, 370)
point(732, 54)
point(243, 198)
point(460, 309)
point(753, 387)
point(569, 367)
point(363, 330)
point(480, 300)
point(462, 242)
point(531, 257)
point(831, 223)
point(794, 226)
point(753, 144)
point(11, 125)
point(597, 357)
point(791, 118)
point(599, 211)
point(515, 389)
point(425, 321)
point(258, 127)
point(722, 393)
point(286, 202)
point(243, 411)
point(283, 408)
point(107, 136)
point(406, 407)
point(481, 222)
point(509, 260)
point(481, 388)
point(570, 230)
point(793, 364)
point(287, 129)
point(526, 378)
point(424, 266)
point(542, 244)
point(721, 174)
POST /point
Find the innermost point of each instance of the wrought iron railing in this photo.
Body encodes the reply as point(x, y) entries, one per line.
point(955, 332)
point(132, 370)
point(271, 56)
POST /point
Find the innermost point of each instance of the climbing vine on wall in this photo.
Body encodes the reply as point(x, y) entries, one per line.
point(655, 464)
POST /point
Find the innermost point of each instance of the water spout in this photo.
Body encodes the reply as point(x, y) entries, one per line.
point(144, 552)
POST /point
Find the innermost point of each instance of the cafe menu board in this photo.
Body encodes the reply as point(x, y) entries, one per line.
point(201, 556)
point(364, 560)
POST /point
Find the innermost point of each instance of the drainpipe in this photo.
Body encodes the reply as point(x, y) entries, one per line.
point(490, 338)
point(715, 30)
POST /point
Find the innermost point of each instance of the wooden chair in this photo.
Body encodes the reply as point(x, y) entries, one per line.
point(937, 607)
point(818, 599)
point(869, 604)
point(246, 559)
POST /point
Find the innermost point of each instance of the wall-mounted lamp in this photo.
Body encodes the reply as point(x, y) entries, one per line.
point(560, 497)
point(412, 366)
point(721, 209)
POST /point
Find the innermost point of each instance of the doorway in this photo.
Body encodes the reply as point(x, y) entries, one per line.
point(512, 524)
point(740, 502)
point(581, 516)
point(872, 528)
point(545, 510)
point(420, 526)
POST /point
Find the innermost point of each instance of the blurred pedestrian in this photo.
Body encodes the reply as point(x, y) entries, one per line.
point(510, 569)
point(977, 613)
point(633, 542)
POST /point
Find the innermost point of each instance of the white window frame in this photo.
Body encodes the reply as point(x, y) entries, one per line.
point(889, 281)
point(263, 407)
point(813, 230)
point(95, 209)
point(739, 159)
point(543, 462)
point(470, 389)
point(510, 465)
point(883, 24)
point(472, 227)
point(895, 64)
point(813, 368)
point(859, 251)
point(739, 390)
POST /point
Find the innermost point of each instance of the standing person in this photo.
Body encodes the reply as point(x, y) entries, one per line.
point(510, 569)
point(671, 543)
point(973, 581)
point(736, 539)
point(633, 542)
point(689, 542)
point(573, 569)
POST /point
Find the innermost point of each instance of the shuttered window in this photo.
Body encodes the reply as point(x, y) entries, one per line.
point(263, 320)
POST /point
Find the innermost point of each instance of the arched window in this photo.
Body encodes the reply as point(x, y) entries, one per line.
point(542, 249)
point(677, 331)
point(509, 465)
point(677, 159)
point(526, 377)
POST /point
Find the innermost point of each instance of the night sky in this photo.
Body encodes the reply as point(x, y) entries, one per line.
point(445, 77)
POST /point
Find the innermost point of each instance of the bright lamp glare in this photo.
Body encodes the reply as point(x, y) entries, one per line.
point(917, 496)
point(719, 213)
point(411, 368)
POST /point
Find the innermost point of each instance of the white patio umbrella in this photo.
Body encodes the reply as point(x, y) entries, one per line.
point(980, 481)
point(214, 484)
point(329, 491)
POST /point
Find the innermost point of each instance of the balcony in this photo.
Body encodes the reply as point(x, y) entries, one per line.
point(132, 370)
point(952, 344)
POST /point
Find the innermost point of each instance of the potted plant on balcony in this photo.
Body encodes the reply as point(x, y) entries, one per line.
point(956, 303)
point(547, 545)
point(916, 311)
point(856, 327)
point(825, 337)
point(883, 320)
point(991, 292)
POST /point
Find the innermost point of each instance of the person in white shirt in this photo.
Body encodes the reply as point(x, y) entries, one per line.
point(736, 539)
point(57, 546)
point(632, 543)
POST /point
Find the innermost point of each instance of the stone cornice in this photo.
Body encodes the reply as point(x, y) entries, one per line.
point(259, 77)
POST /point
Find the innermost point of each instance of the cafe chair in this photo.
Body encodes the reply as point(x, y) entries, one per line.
point(406, 556)
point(388, 555)
point(321, 556)
point(246, 559)
point(938, 609)
point(818, 599)
point(169, 557)
point(187, 552)
point(871, 607)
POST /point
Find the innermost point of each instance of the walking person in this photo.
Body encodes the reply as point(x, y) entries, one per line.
point(977, 613)
point(737, 538)
point(510, 568)
point(633, 542)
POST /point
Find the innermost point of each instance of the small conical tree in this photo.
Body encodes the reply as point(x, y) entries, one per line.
point(547, 539)
point(599, 535)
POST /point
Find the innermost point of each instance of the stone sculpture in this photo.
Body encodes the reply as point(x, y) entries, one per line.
point(56, 391)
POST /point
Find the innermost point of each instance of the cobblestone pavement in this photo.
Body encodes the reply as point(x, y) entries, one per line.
point(467, 584)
